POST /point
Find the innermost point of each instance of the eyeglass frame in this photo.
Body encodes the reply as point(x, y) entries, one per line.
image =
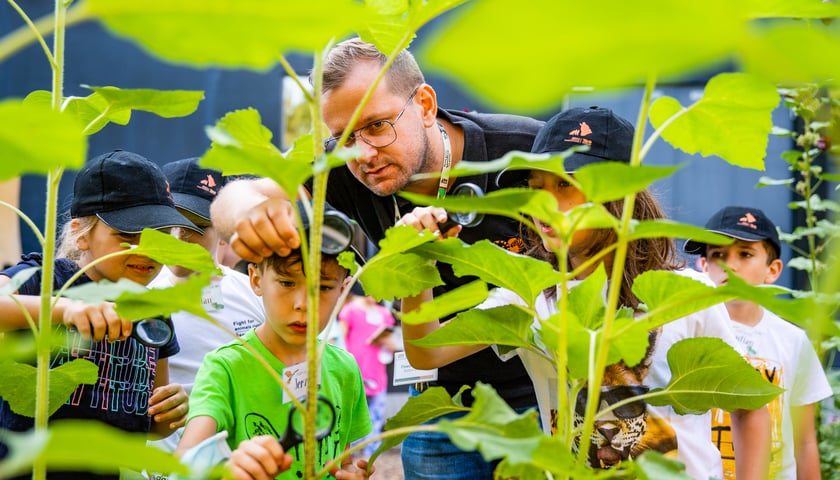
point(331, 142)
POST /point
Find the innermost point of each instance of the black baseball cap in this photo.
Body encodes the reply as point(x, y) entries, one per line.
point(127, 192)
point(744, 223)
point(193, 187)
point(608, 136)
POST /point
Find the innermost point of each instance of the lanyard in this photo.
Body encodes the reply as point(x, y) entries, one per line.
point(444, 171)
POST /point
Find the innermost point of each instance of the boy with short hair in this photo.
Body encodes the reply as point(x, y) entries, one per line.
point(778, 349)
point(234, 393)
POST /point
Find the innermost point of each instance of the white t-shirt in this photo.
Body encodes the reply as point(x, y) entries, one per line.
point(231, 302)
point(782, 353)
point(695, 447)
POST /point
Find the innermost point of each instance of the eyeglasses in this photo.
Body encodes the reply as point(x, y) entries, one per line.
point(378, 134)
point(613, 394)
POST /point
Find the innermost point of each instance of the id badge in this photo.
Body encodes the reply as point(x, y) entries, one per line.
point(405, 374)
point(296, 378)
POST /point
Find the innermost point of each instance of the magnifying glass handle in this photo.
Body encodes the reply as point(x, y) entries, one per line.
point(289, 440)
point(445, 226)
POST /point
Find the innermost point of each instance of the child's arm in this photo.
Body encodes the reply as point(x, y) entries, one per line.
point(168, 405)
point(805, 442)
point(259, 458)
point(751, 441)
point(428, 358)
point(196, 431)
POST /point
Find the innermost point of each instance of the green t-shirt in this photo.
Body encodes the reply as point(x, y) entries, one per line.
point(233, 387)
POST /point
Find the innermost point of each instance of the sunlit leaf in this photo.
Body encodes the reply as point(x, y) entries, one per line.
point(732, 120)
point(453, 301)
point(495, 429)
point(93, 114)
point(786, 52)
point(432, 403)
point(168, 250)
point(24, 448)
point(506, 325)
point(182, 297)
point(652, 465)
point(523, 275)
point(389, 20)
point(620, 44)
point(606, 181)
point(17, 384)
point(668, 296)
point(671, 229)
point(790, 9)
point(393, 274)
point(706, 372)
point(36, 139)
point(199, 33)
point(78, 445)
point(103, 290)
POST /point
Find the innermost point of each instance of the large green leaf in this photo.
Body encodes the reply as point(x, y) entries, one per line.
point(606, 181)
point(168, 250)
point(17, 384)
point(164, 103)
point(732, 120)
point(494, 429)
point(390, 21)
point(792, 51)
point(78, 445)
point(103, 290)
point(36, 139)
point(523, 275)
point(617, 44)
point(183, 297)
point(229, 33)
point(432, 403)
point(652, 465)
point(791, 9)
point(507, 325)
point(453, 301)
point(391, 273)
point(672, 229)
point(705, 373)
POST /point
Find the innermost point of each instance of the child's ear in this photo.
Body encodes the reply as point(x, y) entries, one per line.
point(703, 264)
point(83, 240)
point(254, 274)
point(774, 270)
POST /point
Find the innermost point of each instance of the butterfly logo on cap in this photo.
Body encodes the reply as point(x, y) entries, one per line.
point(208, 185)
point(168, 192)
point(576, 135)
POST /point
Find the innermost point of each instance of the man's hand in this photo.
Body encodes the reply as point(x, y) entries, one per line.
point(429, 218)
point(267, 228)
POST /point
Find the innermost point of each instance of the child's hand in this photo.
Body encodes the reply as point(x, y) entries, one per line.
point(258, 458)
point(95, 321)
point(349, 471)
point(169, 406)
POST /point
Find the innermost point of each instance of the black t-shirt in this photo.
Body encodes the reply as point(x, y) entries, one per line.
point(486, 137)
point(120, 397)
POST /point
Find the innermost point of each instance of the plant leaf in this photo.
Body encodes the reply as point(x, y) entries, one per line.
point(671, 229)
point(17, 384)
point(732, 120)
point(432, 403)
point(183, 297)
point(652, 465)
point(507, 325)
point(461, 298)
point(36, 139)
point(388, 20)
point(706, 372)
point(199, 33)
point(164, 103)
point(606, 181)
point(774, 51)
point(391, 273)
point(168, 250)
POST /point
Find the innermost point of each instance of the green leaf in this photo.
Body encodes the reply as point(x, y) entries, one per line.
point(432, 403)
point(732, 120)
point(103, 290)
point(17, 384)
point(523, 275)
point(771, 182)
point(668, 296)
point(390, 21)
point(606, 181)
point(705, 373)
point(791, 9)
point(453, 301)
point(183, 297)
point(36, 139)
point(494, 429)
point(791, 52)
point(391, 273)
point(78, 445)
point(17, 280)
point(621, 44)
point(168, 250)
point(199, 33)
point(93, 113)
point(507, 325)
point(586, 299)
point(652, 465)
point(671, 229)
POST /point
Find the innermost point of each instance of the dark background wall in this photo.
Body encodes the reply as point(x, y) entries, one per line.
point(94, 57)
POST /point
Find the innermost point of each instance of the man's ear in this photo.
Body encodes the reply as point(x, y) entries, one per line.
point(774, 270)
point(254, 274)
point(427, 98)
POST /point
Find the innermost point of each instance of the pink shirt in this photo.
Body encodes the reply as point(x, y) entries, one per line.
point(365, 322)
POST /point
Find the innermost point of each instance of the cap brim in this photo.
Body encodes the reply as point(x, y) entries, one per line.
point(517, 175)
point(697, 248)
point(135, 219)
point(200, 207)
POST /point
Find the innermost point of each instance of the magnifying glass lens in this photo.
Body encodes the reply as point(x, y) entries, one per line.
point(152, 332)
point(336, 233)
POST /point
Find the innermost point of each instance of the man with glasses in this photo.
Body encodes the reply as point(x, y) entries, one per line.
point(401, 132)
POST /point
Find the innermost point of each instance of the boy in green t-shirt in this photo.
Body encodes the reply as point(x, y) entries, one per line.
point(234, 393)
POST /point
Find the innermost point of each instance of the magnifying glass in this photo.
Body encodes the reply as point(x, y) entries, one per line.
point(153, 332)
point(336, 232)
point(324, 422)
point(465, 219)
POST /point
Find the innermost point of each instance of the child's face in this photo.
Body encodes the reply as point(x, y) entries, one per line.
point(568, 197)
point(746, 259)
point(284, 296)
point(102, 240)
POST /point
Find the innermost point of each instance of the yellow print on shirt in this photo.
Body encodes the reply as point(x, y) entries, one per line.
point(722, 426)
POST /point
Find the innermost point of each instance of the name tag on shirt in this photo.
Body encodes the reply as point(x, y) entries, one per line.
point(405, 374)
point(296, 378)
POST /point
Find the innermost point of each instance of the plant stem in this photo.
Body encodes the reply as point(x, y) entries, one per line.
point(19, 39)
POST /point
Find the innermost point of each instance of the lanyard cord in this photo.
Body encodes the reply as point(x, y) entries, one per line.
point(443, 185)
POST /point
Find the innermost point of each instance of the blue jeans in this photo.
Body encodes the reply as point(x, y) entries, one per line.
point(432, 456)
